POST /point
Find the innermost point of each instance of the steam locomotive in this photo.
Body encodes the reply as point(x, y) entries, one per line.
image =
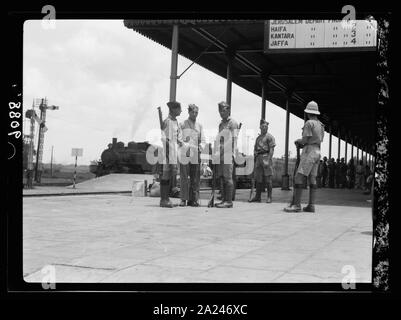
point(119, 158)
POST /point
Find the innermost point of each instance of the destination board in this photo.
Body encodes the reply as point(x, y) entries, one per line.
point(319, 35)
point(77, 152)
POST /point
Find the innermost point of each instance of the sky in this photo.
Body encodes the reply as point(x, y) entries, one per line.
point(108, 82)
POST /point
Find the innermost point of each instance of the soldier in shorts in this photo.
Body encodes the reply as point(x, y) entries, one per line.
point(312, 137)
point(263, 154)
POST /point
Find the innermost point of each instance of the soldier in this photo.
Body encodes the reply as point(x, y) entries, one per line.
point(337, 171)
point(332, 172)
point(263, 155)
point(172, 139)
point(192, 132)
point(351, 174)
point(325, 172)
point(319, 174)
point(360, 175)
point(226, 149)
point(312, 137)
point(344, 169)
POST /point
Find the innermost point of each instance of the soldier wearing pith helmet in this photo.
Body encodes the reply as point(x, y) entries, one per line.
point(172, 140)
point(312, 137)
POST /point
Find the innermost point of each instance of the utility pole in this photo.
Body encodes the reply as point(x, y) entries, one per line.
point(51, 164)
point(31, 114)
point(41, 136)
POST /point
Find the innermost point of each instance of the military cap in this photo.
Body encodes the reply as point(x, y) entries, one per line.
point(174, 104)
point(224, 105)
point(262, 121)
point(192, 106)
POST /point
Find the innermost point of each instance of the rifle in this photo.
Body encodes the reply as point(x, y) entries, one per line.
point(234, 175)
point(161, 128)
point(160, 117)
point(211, 201)
point(252, 180)
point(159, 168)
point(295, 172)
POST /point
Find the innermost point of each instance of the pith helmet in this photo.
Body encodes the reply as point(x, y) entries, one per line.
point(173, 104)
point(312, 108)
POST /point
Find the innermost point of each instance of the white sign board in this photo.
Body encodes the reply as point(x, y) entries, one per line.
point(76, 152)
point(319, 35)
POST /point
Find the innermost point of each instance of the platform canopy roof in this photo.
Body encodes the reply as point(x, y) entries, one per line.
point(342, 82)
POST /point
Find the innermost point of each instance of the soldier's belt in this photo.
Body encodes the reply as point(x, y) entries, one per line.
point(261, 152)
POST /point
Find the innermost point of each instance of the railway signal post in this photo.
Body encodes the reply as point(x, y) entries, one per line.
point(76, 152)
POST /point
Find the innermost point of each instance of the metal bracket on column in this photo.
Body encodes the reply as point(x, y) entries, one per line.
point(230, 55)
point(264, 77)
point(289, 93)
point(201, 54)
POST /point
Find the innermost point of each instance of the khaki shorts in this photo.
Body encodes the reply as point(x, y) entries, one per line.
point(263, 166)
point(309, 162)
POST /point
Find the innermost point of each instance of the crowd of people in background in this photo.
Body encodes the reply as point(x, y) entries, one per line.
point(338, 174)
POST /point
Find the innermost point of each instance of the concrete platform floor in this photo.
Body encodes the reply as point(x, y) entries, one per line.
point(111, 183)
point(117, 238)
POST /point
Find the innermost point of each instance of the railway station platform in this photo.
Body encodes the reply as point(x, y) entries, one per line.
point(111, 183)
point(112, 238)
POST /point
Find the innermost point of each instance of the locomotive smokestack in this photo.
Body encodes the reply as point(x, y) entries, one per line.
point(114, 142)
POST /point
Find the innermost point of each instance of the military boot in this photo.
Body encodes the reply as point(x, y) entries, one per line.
point(222, 189)
point(228, 203)
point(312, 196)
point(164, 192)
point(234, 185)
point(296, 204)
point(259, 188)
point(269, 192)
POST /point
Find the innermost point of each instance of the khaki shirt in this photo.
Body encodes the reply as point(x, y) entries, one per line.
point(172, 138)
point(232, 130)
point(192, 133)
point(314, 131)
point(264, 143)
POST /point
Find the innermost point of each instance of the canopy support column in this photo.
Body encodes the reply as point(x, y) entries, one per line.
point(230, 58)
point(174, 63)
point(286, 178)
point(339, 145)
point(264, 94)
point(330, 139)
point(352, 148)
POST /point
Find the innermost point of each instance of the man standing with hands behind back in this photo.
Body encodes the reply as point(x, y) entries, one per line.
point(192, 132)
point(263, 155)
